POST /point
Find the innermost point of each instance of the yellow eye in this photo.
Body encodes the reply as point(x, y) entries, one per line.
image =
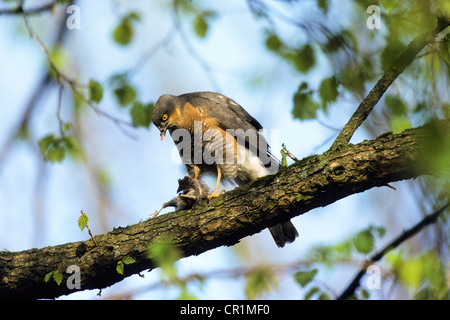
point(164, 117)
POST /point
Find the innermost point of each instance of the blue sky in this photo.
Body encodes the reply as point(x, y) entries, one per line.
point(40, 202)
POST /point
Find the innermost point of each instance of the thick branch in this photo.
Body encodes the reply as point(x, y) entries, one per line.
point(369, 102)
point(313, 182)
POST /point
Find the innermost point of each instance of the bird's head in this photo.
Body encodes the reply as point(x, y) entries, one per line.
point(162, 111)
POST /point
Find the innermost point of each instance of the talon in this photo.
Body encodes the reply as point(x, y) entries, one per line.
point(216, 194)
point(155, 214)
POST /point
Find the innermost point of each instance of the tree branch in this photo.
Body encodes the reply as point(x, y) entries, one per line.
point(431, 218)
point(313, 182)
point(369, 102)
point(37, 10)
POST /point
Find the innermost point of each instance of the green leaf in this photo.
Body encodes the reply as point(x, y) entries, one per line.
point(125, 94)
point(311, 292)
point(133, 16)
point(425, 272)
point(83, 221)
point(364, 241)
point(328, 91)
point(52, 148)
point(365, 294)
point(303, 58)
point(433, 270)
point(323, 5)
point(336, 42)
point(390, 56)
point(399, 124)
point(71, 145)
point(305, 277)
point(128, 260)
point(45, 143)
point(305, 107)
point(394, 258)
point(399, 109)
point(95, 91)
point(381, 231)
point(273, 43)
point(395, 105)
point(56, 275)
point(124, 31)
point(120, 267)
point(411, 273)
point(259, 282)
point(60, 59)
point(67, 127)
point(445, 46)
point(164, 254)
point(141, 114)
point(56, 153)
point(324, 296)
point(48, 276)
point(389, 5)
point(200, 26)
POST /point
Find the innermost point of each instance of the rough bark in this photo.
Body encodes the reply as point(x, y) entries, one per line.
point(313, 182)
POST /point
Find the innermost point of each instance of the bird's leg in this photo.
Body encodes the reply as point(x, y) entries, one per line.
point(196, 172)
point(156, 213)
point(219, 177)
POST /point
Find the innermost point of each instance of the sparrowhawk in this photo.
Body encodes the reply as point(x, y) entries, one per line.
point(215, 135)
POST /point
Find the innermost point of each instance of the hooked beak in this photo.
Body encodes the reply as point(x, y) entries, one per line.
point(162, 129)
point(163, 133)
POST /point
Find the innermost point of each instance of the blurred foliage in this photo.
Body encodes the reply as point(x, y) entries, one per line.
point(259, 281)
point(424, 275)
point(124, 32)
point(305, 277)
point(304, 105)
point(165, 256)
point(95, 91)
point(141, 114)
point(200, 18)
point(362, 242)
point(335, 62)
point(54, 149)
point(358, 57)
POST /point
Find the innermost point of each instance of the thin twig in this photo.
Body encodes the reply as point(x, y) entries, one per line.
point(20, 10)
point(369, 102)
point(89, 230)
point(432, 218)
point(58, 112)
point(288, 153)
point(74, 85)
point(151, 52)
point(194, 54)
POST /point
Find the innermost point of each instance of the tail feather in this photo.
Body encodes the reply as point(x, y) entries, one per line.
point(283, 233)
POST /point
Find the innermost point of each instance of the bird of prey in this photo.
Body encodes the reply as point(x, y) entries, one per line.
point(215, 135)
